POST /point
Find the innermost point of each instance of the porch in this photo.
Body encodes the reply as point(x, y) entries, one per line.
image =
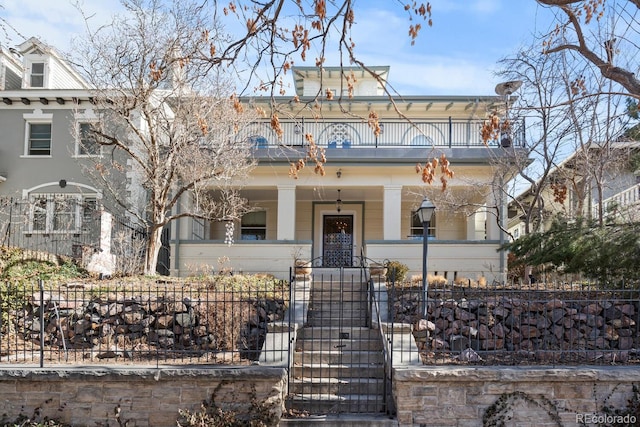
point(454, 260)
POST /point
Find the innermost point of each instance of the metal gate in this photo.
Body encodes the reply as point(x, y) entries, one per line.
point(340, 363)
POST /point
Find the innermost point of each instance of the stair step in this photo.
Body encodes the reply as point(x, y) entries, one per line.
point(347, 323)
point(337, 386)
point(339, 345)
point(331, 403)
point(357, 333)
point(324, 370)
point(334, 357)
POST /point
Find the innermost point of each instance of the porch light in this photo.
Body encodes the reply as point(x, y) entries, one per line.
point(297, 129)
point(339, 202)
point(425, 212)
point(505, 90)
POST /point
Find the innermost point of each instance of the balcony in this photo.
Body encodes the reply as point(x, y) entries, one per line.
point(345, 134)
point(623, 202)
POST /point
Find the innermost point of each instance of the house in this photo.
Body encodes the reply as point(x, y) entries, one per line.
point(47, 201)
point(577, 187)
point(365, 200)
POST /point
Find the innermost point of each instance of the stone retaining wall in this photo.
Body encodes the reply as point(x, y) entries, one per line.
point(517, 396)
point(424, 395)
point(135, 396)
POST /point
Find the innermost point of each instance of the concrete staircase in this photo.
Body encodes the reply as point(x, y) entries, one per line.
point(338, 365)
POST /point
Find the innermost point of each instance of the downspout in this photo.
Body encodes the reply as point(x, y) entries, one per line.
point(176, 258)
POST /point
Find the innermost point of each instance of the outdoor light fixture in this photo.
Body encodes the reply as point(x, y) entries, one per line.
point(339, 174)
point(297, 129)
point(505, 89)
point(339, 202)
point(425, 212)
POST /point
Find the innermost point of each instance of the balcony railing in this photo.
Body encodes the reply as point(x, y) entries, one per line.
point(622, 201)
point(353, 134)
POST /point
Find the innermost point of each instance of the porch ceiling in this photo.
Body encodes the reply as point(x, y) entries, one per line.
point(454, 197)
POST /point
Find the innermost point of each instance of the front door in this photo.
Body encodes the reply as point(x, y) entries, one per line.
point(337, 241)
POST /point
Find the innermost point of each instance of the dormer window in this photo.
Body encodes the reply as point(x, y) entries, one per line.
point(37, 74)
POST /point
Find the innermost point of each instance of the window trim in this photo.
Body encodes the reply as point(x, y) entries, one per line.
point(78, 139)
point(43, 75)
point(37, 117)
point(78, 213)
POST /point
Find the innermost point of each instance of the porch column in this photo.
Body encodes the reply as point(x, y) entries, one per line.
point(392, 212)
point(471, 227)
point(286, 212)
point(493, 231)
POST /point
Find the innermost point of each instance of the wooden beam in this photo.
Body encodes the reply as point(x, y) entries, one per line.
point(7, 101)
point(25, 101)
point(44, 101)
point(60, 101)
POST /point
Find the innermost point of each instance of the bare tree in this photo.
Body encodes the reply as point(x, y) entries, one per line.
point(166, 122)
point(570, 120)
point(604, 33)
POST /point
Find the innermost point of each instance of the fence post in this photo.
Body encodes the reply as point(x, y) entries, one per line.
point(41, 285)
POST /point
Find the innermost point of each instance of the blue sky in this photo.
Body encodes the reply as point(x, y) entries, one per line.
point(456, 56)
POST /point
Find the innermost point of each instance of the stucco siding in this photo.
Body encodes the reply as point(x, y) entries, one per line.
point(373, 220)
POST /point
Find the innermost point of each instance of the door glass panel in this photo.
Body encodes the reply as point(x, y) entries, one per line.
point(337, 240)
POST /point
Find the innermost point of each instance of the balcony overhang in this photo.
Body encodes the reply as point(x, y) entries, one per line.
point(389, 155)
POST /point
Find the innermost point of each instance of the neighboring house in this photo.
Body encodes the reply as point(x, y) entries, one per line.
point(47, 203)
point(366, 202)
point(571, 191)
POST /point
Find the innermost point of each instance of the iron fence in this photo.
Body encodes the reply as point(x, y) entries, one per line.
point(545, 323)
point(220, 320)
point(230, 319)
point(53, 226)
point(50, 226)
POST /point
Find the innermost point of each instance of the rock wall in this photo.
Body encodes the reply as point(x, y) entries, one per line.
point(124, 326)
point(545, 330)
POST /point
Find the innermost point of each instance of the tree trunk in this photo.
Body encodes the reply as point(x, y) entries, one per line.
point(154, 244)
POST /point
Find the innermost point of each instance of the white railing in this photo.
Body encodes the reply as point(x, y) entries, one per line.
point(353, 134)
point(621, 201)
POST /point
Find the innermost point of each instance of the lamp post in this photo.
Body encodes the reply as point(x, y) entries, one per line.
point(425, 211)
point(505, 89)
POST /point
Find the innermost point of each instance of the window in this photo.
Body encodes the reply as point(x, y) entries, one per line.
point(254, 226)
point(416, 226)
point(39, 142)
point(258, 141)
point(53, 213)
point(86, 142)
point(37, 74)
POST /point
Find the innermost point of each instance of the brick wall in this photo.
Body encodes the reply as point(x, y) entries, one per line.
point(144, 397)
point(459, 396)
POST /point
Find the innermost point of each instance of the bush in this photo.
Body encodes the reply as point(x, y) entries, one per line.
point(397, 271)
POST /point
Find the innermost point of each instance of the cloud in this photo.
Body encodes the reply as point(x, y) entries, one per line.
point(53, 22)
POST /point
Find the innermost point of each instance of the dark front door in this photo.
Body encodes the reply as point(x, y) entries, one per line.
point(337, 240)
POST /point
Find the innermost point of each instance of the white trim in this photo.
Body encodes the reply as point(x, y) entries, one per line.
point(37, 117)
point(50, 213)
point(2, 178)
point(80, 120)
point(28, 71)
point(26, 192)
